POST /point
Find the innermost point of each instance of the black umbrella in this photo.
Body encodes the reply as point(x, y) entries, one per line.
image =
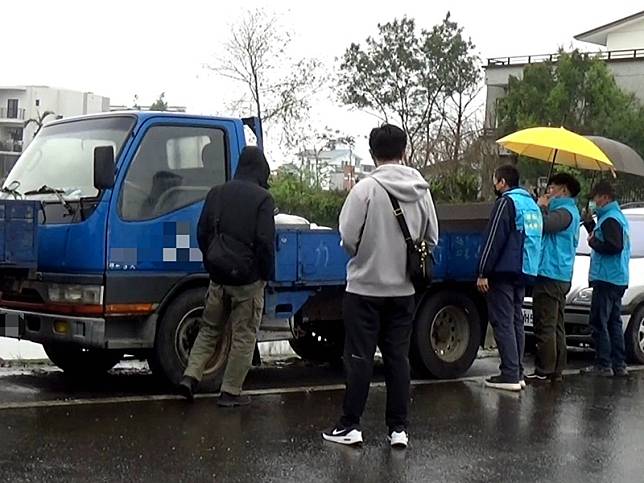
point(625, 159)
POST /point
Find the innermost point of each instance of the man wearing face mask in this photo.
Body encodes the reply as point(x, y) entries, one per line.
point(611, 252)
point(509, 260)
point(561, 220)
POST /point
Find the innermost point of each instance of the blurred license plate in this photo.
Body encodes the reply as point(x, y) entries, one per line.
point(528, 321)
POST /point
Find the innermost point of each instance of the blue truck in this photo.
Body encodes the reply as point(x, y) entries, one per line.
point(99, 257)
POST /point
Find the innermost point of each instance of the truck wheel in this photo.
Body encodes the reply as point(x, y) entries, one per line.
point(176, 333)
point(635, 337)
point(318, 341)
point(447, 335)
point(78, 361)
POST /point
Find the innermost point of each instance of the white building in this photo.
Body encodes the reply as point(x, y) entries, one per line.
point(342, 167)
point(18, 104)
point(621, 45)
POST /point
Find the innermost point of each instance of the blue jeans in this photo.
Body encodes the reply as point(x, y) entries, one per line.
point(504, 301)
point(606, 323)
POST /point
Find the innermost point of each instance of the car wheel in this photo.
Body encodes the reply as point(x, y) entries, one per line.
point(634, 337)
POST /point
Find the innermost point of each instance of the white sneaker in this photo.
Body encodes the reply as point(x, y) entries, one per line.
point(398, 439)
point(522, 383)
point(349, 436)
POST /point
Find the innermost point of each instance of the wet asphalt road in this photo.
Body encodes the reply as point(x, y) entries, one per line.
point(586, 429)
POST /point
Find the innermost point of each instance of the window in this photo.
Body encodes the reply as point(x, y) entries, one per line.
point(637, 238)
point(12, 108)
point(173, 167)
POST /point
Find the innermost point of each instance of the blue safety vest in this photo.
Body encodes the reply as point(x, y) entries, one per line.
point(559, 249)
point(529, 222)
point(611, 268)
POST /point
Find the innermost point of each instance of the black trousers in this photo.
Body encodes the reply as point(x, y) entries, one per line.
point(386, 322)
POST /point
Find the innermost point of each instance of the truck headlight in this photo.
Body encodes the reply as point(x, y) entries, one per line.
point(76, 294)
point(584, 297)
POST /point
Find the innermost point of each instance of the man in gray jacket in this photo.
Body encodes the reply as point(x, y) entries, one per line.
point(379, 302)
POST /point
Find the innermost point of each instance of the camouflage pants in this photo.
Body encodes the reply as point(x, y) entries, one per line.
point(242, 308)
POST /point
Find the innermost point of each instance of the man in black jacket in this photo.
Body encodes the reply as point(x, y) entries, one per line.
point(236, 235)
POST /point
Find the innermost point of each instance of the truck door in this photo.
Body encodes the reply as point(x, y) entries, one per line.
point(158, 197)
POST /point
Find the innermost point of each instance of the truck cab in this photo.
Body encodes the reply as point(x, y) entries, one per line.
point(117, 198)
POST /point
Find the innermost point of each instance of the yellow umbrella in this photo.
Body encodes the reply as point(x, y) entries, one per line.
point(557, 145)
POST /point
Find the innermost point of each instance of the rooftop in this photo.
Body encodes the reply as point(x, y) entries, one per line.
point(599, 35)
point(609, 56)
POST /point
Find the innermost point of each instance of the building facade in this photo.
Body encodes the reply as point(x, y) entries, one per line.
point(340, 166)
point(19, 104)
point(619, 43)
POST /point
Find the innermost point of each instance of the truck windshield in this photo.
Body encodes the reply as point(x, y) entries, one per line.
point(62, 157)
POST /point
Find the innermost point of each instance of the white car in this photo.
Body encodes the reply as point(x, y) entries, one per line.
point(578, 331)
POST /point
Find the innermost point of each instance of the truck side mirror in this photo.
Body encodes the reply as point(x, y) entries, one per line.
point(104, 167)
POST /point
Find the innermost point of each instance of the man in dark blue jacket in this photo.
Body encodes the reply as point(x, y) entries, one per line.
point(509, 259)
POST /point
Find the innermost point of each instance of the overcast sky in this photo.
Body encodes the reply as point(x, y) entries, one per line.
point(118, 48)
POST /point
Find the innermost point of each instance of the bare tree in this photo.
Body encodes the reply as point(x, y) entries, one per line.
point(39, 121)
point(256, 55)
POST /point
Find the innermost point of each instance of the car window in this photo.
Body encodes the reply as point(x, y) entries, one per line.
point(174, 167)
point(636, 233)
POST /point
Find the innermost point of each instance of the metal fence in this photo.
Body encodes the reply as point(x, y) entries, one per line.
point(16, 113)
point(610, 55)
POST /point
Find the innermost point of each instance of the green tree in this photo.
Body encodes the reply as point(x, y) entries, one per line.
point(297, 197)
point(160, 104)
point(576, 91)
point(413, 78)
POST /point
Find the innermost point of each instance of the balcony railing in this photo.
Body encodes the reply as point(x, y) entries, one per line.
point(18, 114)
point(11, 146)
point(607, 55)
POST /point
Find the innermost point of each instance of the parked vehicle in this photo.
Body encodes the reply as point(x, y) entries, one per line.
point(577, 310)
point(98, 253)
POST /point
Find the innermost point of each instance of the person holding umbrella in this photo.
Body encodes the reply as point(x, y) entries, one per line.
point(611, 252)
point(561, 221)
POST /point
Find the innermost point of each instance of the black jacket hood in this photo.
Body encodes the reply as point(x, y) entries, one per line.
point(253, 167)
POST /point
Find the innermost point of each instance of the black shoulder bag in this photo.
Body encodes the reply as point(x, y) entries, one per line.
point(419, 259)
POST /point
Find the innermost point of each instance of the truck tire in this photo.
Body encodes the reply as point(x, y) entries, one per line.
point(447, 335)
point(634, 337)
point(176, 333)
point(77, 361)
point(321, 341)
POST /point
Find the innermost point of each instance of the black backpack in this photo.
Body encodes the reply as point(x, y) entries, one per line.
point(229, 260)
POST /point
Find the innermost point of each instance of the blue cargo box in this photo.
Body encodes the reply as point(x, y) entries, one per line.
point(19, 234)
point(309, 257)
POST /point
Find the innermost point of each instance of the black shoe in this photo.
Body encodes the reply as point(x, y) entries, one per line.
point(536, 378)
point(500, 382)
point(620, 372)
point(597, 371)
point(187, 387)
point(227, 400)
point(351, 435)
